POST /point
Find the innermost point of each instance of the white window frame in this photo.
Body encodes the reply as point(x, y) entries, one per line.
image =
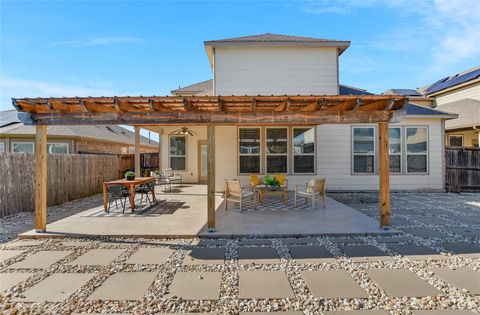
point(401, 149)
point(449, 136)
point(3, 147)
point(259, 154)
point(314, 154)
point(427, 154)
point(175, 155)
point(23, 142)
point(60, 144)
point(352, 147)
point(266, 155)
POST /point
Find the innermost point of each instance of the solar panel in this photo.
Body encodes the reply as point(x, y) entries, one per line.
point(443, 84)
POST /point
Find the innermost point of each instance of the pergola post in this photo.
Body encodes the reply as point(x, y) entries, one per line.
point(159, 152)
point(211, 177)
point(137, 151)
point(41, 178)
point(384, 176)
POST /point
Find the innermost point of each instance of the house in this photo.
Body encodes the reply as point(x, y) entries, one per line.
point(347, 155)
point(100, 139)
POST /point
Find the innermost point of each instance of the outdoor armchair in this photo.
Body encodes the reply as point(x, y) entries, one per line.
point(313, 190)
point(236, 193)
point(144, 190)
point(115, 193)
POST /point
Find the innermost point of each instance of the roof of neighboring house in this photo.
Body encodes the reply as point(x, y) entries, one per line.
point(111, 133)
point(468, 111)
point(451, 81)
point(414, 109)
point(269, 37)
point(405, 92)
point(206, 88)
point(8, 117)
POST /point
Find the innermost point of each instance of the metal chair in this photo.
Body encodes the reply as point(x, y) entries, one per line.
point(314, 189)
point(117, 193)
point(144, 190)
point(236, 193)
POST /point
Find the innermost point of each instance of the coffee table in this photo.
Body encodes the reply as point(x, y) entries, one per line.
point(266, 192)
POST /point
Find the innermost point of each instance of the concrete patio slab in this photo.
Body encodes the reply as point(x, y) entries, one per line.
point(333, 284)
point(11, 279)
point(98, 257)
point(7, 254)
point(264, 285)
point(306, 254)
point(412, 249)
point(150, 256)
point(461, 247)
point(425, 233)
point(75, 243)
point(462, 277)
point(56, 287)
point(196, 285)
point(41, 259)
point(402, 282)
point(359, 312)
point(258, 255)
point(20, 243)
point(205, 256)
point(361, 253)
point(130, 286)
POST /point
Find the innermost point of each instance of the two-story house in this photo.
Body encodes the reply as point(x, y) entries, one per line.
point(346, 155)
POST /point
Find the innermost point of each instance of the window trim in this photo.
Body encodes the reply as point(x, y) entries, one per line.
point(260, 154)
point(304, 154)
point(401, 150)
point(4, 145)
point(455, 135)
point(352, 152)
point(265, 155)
point(23, 142)
point(59, 143)
point(427, 154)
point(184, 156)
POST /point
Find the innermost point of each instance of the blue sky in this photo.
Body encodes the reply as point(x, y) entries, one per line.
point(82, 48)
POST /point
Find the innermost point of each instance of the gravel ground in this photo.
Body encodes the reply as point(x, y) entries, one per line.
point(457, 216)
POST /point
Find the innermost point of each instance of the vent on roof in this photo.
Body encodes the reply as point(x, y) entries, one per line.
point(109, 129)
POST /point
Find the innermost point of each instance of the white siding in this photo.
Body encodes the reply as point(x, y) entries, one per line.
point(275, 70)
point(472, 91)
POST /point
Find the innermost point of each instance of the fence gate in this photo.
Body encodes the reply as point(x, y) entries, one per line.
point(462, 169)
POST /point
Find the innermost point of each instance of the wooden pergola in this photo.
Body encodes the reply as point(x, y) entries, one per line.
point(209, 111)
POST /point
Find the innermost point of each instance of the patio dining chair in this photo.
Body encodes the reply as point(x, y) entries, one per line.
point(236, 193)
point(313, 190)
point(115, 193)
point(144, 190)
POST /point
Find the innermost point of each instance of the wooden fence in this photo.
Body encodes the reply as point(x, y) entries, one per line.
point(462, 169)
point(148, 161)
point(70, 176)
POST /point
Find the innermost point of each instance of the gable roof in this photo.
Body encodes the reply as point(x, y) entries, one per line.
point(8, 117)
point(111, 133)
point(451, 81)
point(414, 109)
point(404, 92)
point(350, 90)
point(269, 37)
point(468, 111)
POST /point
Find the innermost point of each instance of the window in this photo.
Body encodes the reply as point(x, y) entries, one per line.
point(363, 150)
point(276, 150)
point(304, 150)
point(61, 148)
point(417, 149)
point(178, 153)
point(395, 149)
point(249, 150)
point(2, 147)
point(455, 140)
point(20, 147)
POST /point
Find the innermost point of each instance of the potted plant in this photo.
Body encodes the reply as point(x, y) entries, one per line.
point(129, 175)
point(271, 182)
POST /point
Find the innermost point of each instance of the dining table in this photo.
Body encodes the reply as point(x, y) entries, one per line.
point(130, 184)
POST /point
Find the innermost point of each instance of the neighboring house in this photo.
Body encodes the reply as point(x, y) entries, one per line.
point(458, 94)
point(101, 139)
point(346, 155)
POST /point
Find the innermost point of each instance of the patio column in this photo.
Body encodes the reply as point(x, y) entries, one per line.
point(41, 178)
point(159, 152)
point(211, 177)
point(137, 151)
point(384, 176)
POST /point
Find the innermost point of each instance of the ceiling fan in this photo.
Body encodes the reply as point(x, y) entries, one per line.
point(184, 131)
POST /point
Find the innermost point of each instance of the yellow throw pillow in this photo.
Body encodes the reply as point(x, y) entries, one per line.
point(281, 178)
point(310, 186)
point(254, 180)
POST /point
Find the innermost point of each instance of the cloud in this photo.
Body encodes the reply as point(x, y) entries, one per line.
point(97, 41)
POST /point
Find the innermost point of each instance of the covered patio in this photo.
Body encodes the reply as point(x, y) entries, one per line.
point(211, 111)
